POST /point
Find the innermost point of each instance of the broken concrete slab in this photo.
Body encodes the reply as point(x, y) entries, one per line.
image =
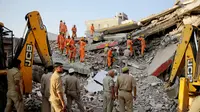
point(101, 45)
point(188, 8)
point(156, 16)
point(80, 68)
point(115, 37)
point(120, 28)
point(194, 20)
point(168, 19)
point(149, 30)
point(162, 60)
point(92, 86)
point(100, 76)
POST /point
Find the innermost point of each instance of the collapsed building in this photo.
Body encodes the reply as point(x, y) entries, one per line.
point(162, 34)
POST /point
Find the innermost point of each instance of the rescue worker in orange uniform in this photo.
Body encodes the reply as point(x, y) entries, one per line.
point(61, 27)
point(143, 44)
point(74, 30)
point(72, 56)
point(67, 41)
point(61, 42)
point(92, 30)
point(130, 44)
point(58, 38)
point(65, 30)
point(72, 49)
point(72, 41)
point(110, 57)
point(82, 44)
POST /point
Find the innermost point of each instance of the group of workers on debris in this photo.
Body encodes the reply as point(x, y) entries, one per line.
point(69, 43)
point(52, 86)
point(53, 89)
point(124, 90)
point(112, 52)
point(71, 49)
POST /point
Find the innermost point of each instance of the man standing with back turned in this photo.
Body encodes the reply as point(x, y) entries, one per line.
point(126, 85)
point(56, 90)
point(45, 83)
point(72, 90)
point(108, 92)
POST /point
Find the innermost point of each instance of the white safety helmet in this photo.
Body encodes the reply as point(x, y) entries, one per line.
point(71, 70)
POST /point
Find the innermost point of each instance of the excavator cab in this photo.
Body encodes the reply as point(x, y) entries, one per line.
point(6, 47)
point(6, 57)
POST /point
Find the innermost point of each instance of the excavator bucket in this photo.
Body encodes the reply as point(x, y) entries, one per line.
point(173, 90)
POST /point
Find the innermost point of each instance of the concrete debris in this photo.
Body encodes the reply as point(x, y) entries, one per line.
point(34, 100)
point(152, 97)
point(169, 19)
point(38, 71)
point(101, 45)
point(115, 37)
point(92, 86)
point(101, 75)
point(162, 32)
point(162, 60)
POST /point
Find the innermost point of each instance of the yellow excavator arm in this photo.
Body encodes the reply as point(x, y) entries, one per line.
point(179, 60)
point(36, 37)
point(185, 65)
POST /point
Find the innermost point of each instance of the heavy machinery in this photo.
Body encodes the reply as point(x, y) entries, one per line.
point(36, 37)
point(186, 65)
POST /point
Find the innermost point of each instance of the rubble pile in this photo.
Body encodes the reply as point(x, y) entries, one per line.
point(33, 101)
point(152, 97)
point(162, 32)
point(151, 94)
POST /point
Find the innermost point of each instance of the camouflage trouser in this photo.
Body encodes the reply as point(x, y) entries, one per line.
point(108, 102)
point(14, 98)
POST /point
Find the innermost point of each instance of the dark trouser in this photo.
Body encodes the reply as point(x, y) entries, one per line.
point(46, 106)
point(72, 95)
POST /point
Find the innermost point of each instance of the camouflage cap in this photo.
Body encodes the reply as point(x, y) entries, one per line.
point(125, 69)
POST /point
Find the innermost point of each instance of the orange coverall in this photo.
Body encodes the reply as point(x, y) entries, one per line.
point(67, 41)
point(72, 42)
point(92, 30)
point(62, 28)
point(65, 29)
point(109, 58)
point(61, 42)
point(72, 52)
point(74, 30)
point(143, 45)
point(130, 43)
point(82, 50)
point(72, 49)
